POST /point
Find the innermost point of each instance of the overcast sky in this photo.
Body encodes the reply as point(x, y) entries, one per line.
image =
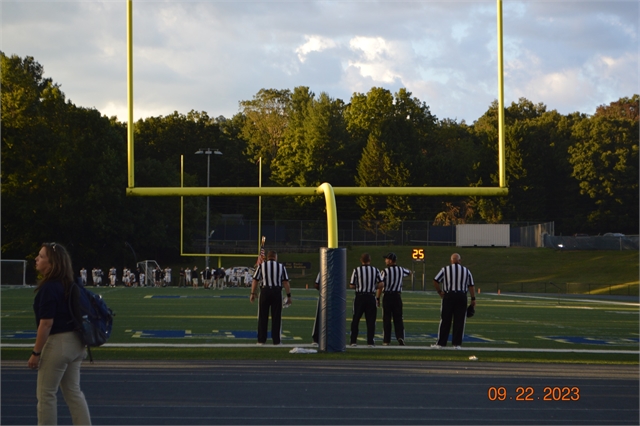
point(208, 55)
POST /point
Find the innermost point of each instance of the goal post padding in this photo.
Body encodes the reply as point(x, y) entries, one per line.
point(13, 272)
point(333, 300)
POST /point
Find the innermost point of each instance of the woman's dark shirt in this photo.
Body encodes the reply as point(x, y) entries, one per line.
point(51, 303)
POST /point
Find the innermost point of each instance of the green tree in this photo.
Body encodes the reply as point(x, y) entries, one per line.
point(265, 123)
point(623, 108)
point(314, 145)
point(403, 127)
point(377, 168)
point(450, 159)
point(605, 162)
point(62, 169)
point(535, 151)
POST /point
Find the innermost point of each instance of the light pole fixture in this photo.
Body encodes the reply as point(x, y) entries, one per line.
point(208, 152)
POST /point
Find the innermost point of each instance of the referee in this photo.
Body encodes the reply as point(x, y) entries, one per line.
point(392, 302)
point(452, 284)
point(365, 280)
point(274, 277)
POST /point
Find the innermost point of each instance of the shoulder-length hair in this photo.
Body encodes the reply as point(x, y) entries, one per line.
point(61, 267)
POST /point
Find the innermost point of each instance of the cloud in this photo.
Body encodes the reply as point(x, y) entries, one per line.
point(561, 88)
point(375, 58)
point(209, 55)
point(314, 43)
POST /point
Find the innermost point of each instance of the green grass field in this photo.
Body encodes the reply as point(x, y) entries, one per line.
point(508, 327)
point(509, 269)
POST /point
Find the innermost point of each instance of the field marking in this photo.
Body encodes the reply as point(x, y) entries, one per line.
point(427, 348)
point(567, 299)
point(614, 287)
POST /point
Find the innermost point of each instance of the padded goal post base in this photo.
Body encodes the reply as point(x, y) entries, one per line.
point(333, 300)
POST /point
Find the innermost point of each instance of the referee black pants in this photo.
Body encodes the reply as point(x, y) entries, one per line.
point(270, 299)
point(392, 309)
point(364, 303)
point(453, 308)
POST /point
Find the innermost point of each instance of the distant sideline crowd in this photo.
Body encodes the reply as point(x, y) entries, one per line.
point(208, 278)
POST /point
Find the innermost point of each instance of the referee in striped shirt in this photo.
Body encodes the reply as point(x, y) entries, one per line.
point(452, 284)
point(274, 277)
point(392, 302)
point(365, 280)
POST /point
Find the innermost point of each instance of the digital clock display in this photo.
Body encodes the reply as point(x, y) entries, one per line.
point(417, 254)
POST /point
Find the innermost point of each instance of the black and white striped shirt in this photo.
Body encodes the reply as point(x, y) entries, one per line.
point(271, 273)
point(365, 278)
point(455, 277)
point(392, 277)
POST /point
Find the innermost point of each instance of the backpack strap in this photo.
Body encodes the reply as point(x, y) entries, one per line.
point(74, 310)
point(74, 305)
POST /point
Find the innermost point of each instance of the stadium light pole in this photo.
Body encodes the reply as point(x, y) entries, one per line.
point(208, 152)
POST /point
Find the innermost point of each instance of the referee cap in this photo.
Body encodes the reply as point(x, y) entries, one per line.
point(391, 256)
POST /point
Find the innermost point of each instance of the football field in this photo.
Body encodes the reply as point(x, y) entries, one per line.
point(175, 323)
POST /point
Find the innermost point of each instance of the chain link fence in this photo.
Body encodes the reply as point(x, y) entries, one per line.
point(624, 242)
point(239, 234)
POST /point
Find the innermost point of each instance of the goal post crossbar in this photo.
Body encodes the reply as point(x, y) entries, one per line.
point(326, 189)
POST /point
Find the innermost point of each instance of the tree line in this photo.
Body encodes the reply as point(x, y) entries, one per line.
point(64, 166)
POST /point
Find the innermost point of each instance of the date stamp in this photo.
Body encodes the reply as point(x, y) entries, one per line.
point(528, 393)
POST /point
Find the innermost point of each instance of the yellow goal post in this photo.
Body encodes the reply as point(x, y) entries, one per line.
point(325, 189)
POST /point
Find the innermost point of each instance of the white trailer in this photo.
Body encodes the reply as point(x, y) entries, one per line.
point(483, 236)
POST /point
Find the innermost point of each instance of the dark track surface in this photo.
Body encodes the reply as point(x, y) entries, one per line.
point(350, 392)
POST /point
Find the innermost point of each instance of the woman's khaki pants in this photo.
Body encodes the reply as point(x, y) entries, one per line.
point(59, 366)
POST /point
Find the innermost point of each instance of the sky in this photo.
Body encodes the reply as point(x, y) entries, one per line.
point(208, 55)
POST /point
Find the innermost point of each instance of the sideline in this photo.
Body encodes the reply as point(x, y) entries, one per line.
point(361, 347)
point(455, 368)
point(565, 297)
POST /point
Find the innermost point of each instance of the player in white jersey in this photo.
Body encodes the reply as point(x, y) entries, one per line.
point(187, 276)
point(125, 277)
point(167, 277)
point(112, 277)
point(83, 276)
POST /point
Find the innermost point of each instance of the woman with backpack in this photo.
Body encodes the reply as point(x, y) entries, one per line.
point(58, 351)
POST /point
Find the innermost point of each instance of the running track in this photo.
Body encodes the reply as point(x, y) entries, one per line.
point(310, 392)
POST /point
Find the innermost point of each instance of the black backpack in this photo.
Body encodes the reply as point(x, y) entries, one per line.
point(92, 317)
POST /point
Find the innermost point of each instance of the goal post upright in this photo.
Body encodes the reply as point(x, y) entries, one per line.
point(130, 158)
point(335, 268)
point(501, 153)
point(501, 190)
